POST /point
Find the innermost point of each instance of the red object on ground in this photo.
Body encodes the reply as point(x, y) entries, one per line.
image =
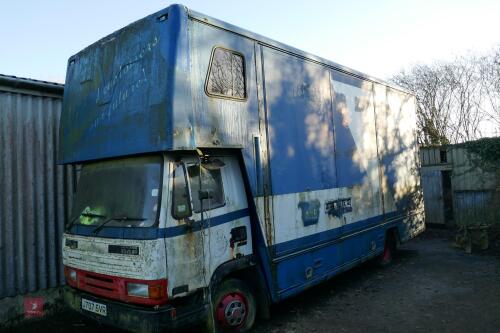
point(33, 307)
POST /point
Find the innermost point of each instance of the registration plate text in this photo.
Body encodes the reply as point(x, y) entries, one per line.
point(100, 309)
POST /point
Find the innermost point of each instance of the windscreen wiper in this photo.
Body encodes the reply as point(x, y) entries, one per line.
point(89, 214)
point(116, 218)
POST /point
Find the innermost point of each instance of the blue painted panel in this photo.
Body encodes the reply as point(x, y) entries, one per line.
point(388, 160)
point(359, 246)
point(355, 140)
point(397, 145)
point(300, 126)
point(282, 249)
point(348, 171)
point(224, 122)
point(295, 272)
point(116, 98)
point(301, 271)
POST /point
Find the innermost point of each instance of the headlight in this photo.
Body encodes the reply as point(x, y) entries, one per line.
point(150, 290)
point(137, 289)
point(71, 276)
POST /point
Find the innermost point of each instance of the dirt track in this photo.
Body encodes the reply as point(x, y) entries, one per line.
point(431, 287)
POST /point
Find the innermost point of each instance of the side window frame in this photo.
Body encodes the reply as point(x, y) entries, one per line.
point(188, 189)
point(205, 208)
point(207, 79)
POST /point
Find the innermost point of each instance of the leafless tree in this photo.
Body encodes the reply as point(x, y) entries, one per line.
point(429, 84)
point(455, 97)
point(466, 112)
point(489, 67)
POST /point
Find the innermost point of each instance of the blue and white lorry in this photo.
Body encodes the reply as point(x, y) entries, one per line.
point(222, 172)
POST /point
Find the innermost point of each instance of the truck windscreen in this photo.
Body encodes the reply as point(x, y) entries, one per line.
point(123, 192)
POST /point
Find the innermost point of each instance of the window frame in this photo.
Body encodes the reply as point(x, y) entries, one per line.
point(223, 193)
point(443, 156)
point(207, 79)
point(188, 188)
point(159, 202)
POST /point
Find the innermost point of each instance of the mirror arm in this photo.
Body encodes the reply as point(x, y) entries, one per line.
point(188, 188)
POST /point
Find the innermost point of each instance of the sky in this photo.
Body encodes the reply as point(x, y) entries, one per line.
point(379, 38)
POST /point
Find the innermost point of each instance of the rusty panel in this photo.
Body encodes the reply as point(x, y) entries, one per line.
point(35, 192)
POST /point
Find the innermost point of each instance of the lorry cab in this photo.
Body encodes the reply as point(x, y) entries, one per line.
point(148, 230)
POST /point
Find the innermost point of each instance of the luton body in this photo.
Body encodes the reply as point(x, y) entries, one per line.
point(221, 172)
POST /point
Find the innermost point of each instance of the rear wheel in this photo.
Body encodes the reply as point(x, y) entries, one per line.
point(234, 307)
point(390, 247)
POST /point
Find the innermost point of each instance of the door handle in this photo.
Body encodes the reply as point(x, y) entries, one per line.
point(238, 235)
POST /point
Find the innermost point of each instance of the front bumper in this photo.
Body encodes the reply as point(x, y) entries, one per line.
point(136, 318)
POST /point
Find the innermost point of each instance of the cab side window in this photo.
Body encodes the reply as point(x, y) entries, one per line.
point(181, 205)
point(211, 183)
point(226, 77)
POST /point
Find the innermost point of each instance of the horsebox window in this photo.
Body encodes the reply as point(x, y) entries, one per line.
point(226, 76)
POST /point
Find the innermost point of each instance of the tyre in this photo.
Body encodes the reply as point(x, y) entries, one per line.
point(233, 307)
point(390, 247)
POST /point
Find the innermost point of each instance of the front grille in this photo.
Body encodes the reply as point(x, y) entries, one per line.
point(99, 282)
point(102, 285)
point(115, 287)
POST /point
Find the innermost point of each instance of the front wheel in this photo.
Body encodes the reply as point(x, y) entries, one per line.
point(233, 307)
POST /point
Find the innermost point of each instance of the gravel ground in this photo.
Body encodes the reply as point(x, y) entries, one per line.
point(430, 287)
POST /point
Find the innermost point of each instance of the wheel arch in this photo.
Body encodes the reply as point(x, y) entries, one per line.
point(393, 232)
point(246, 270)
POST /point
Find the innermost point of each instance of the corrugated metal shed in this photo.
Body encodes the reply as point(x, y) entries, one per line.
point(34, 192)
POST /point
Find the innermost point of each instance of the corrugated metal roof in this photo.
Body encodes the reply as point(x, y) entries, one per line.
point(30, 86)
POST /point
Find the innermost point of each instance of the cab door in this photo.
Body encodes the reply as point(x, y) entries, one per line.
point(209, 222)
